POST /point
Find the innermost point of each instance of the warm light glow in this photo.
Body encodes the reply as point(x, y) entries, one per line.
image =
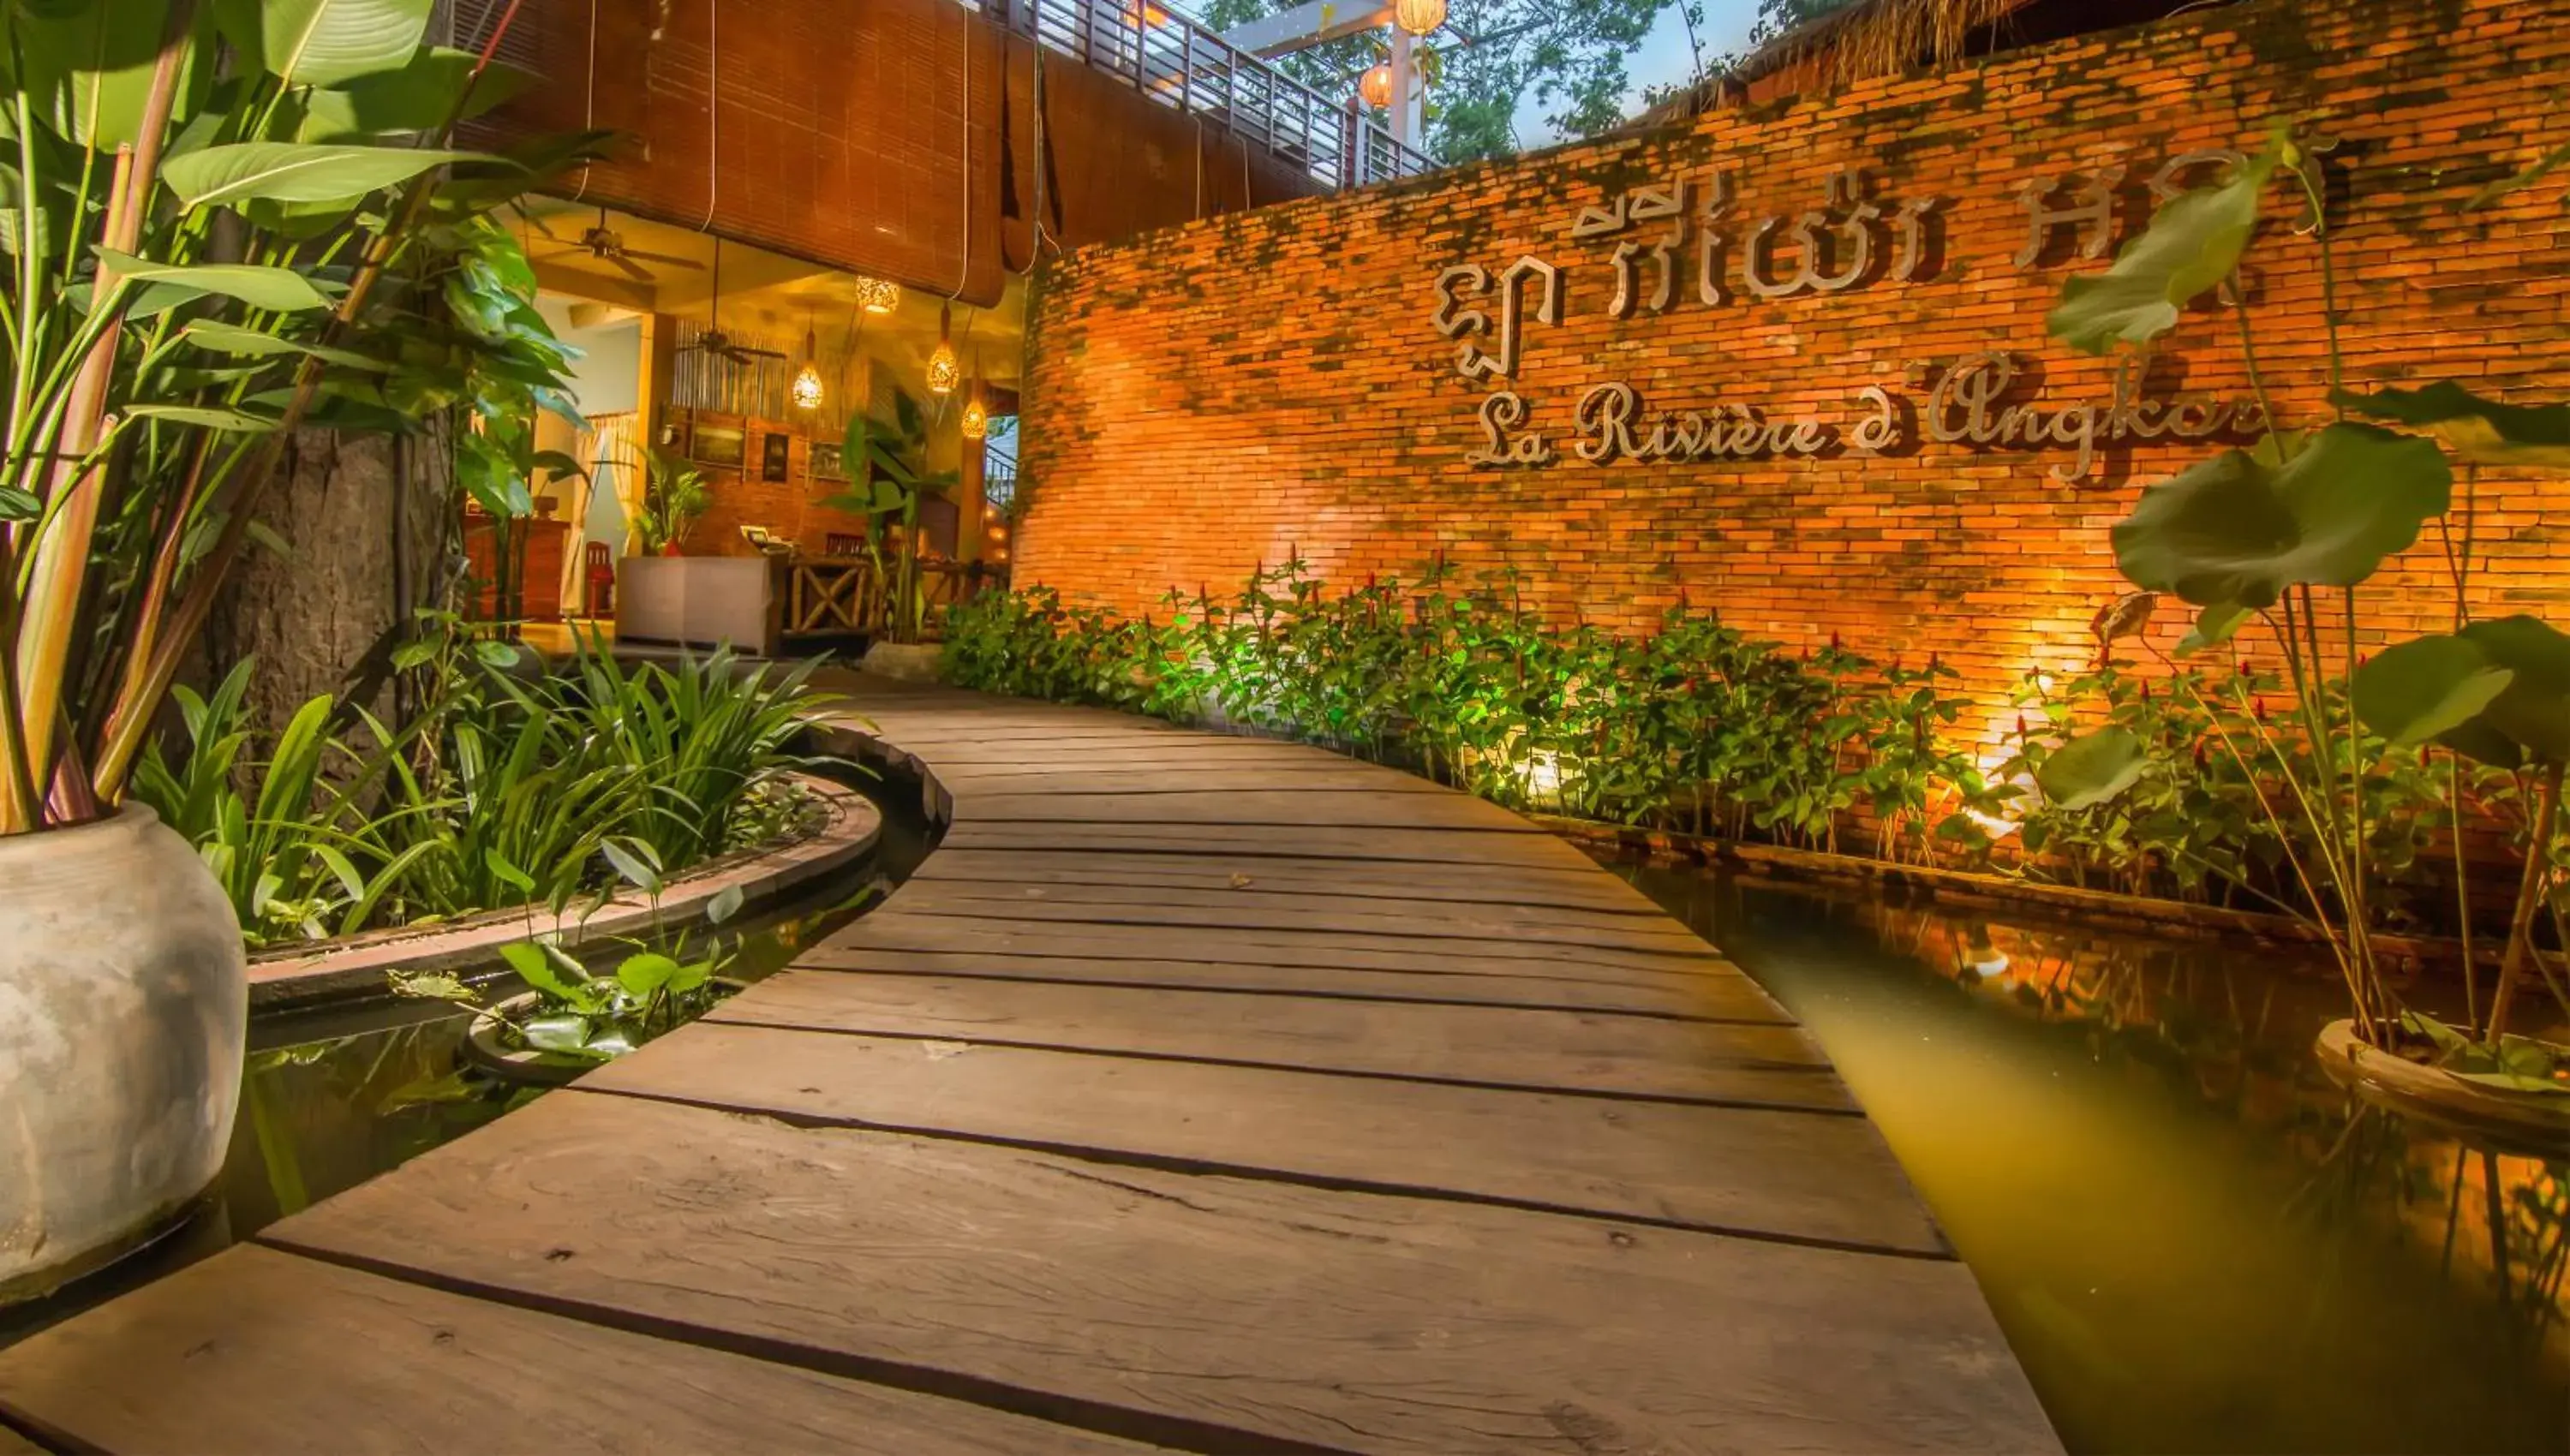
point(944, 371)
point(1543, 771)
point(1418, 17)
point(806, 388)
point(977, 420)
point(877, 296)
point(1376, 84)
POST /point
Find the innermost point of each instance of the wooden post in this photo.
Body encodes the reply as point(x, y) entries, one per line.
point(967, 502)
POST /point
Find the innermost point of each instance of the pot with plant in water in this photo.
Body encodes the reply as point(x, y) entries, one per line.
point(170, 338)
point(2281, 534)
point(123, 1003)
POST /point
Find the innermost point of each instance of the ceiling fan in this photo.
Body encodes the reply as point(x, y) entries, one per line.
point(711, 339)
point(606, 246)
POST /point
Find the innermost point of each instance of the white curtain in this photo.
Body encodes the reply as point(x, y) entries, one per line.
point(612, 448)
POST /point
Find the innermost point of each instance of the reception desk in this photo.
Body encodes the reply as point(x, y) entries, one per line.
point(697, 601)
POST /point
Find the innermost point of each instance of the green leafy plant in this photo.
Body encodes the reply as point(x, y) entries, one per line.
point(889, 458)
point(2283, 535)
point(673, 496)
point(501, 791)
point(226, 223)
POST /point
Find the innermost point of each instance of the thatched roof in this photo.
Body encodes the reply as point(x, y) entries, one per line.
point(1863, 39)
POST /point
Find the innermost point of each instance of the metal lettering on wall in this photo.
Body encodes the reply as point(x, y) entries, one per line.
point(1855, 238)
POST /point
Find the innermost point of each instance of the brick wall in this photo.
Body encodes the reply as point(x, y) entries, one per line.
point(1208, 398)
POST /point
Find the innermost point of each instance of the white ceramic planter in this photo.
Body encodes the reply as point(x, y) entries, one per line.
point(122, 1006)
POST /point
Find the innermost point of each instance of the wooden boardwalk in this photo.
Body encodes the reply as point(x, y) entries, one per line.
point(1198, 1093)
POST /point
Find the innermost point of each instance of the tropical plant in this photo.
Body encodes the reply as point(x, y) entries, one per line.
point(224, 223)
point(889, 457)
point(498, 792)
point(673, 496)
point(2285, 534)
point(573, 1016)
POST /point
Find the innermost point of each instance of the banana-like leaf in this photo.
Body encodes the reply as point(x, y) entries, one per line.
point(2477, 428)
point(2234, 531)
point(417, 97)
point(232, 338)
point(324, 42)
point(2092, 769)
point(2192, 244)
point(2421, 690)
point(87, 71)
point(279, 290)
point(291, 172)
point(205, 417)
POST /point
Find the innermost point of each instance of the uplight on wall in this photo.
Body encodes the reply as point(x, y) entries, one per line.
point(877, 296)
point(944, 371)
point(1418, 17)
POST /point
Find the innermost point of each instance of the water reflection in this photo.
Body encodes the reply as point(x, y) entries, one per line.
point(338, 1095)
point(2194, 1239)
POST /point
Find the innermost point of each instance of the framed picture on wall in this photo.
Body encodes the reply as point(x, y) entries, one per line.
point(826, 465)
point(716, 445)
point(775, 455)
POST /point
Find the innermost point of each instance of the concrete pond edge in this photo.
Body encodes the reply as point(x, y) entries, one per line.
point(849, 827)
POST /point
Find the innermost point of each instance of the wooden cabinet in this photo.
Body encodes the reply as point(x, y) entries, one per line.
point(540, 545)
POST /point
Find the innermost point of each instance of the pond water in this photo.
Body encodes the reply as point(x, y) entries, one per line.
point(2193, 1240)
point(337, 1095)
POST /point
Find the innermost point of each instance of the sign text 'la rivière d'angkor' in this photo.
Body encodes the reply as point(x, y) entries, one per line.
point(1851, 240)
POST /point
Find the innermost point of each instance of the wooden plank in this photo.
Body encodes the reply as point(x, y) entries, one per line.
point(13, 1444)
point(889, 930)
point(1773, 1174)
point(1346, 1321)
point(896, 922)
point(256, 1351)
point(1077, 783)
point(1284, 807)
point(1435, 846)
point(1549, 1052)
point(1209, 889)
point(1254, 910)
point(1568, 888)
point(1723, 998)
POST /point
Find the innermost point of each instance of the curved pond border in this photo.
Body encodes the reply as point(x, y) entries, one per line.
point(358, 965)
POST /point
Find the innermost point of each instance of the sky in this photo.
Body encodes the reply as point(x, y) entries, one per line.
point(1663, 58)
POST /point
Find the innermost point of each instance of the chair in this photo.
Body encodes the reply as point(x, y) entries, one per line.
point(598, 569)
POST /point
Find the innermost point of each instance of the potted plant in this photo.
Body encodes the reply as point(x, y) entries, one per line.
point(889, 458)
point(309, 255)
point(2282, 536)
point(673, 496)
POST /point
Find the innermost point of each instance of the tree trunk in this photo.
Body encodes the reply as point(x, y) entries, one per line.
point(364, 549)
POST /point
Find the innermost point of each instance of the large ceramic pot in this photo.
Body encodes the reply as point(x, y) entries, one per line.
point(907, 661)
point(2531, 1124)
point(123, 1001)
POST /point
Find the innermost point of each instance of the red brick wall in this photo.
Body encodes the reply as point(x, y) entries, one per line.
point(1210, 397)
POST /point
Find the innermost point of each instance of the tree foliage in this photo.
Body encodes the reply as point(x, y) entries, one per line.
point(1567, 55)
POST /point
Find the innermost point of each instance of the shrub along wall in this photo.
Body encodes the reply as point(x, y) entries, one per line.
point(1215, 397)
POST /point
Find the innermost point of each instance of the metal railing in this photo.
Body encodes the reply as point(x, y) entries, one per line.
point(1191, 70)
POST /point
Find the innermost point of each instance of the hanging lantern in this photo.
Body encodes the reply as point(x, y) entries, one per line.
point(1418, 17)
point(877, 296)
point(976, 418)
point(806, 388)
point(1376, 84)
point(944, 371)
